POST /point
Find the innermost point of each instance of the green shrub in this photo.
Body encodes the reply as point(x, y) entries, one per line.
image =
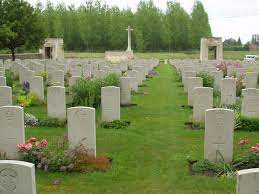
point(88, 92)
point(204, 166)
point(115, 124)
point(9, 78)
point(208, 80)
point(247, 161)
point(249, 124)
point(52, 122)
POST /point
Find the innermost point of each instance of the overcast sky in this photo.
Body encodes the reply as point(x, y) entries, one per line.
point(228, 18)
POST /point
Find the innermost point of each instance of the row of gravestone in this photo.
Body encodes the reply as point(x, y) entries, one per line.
point(21, 69)
point(19, 177)
point(81, 129)
point(219, 132)
point(201, 98)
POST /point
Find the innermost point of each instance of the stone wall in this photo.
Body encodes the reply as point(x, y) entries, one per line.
point(22, 56)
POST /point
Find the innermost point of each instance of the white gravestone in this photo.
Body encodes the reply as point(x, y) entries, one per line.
point(37, 87)
point(17, 177)
point(11, 130)
point(58, 78)
point(192, 83)
point(218, 76)
point(251, 80)
point(250, 103)
point(134, 83)
point(56, 102)
point(125, 90)
point(5, 96)
point(87, 70)
point(185, 76)
point(228, 91)
point(110, 103)
point(2, 81)
point(73, 80)
point(247, 181)
point(82, 129)
point(202, 100)
point(219, 131)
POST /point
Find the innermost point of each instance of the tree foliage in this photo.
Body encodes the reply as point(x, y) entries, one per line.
point(200, 26)
point(20, 25)
point(94, 26)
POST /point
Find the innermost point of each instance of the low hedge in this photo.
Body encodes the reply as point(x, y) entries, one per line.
point(249, 124)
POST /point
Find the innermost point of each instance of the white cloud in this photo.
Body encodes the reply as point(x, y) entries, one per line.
point(228, 18)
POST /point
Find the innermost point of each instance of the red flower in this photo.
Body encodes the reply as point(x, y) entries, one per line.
point(255, 148)
point(44, 142)
point(243, 142)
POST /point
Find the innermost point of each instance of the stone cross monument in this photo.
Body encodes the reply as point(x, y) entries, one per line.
point(129, 38)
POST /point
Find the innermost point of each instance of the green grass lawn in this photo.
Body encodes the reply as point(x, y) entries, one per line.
point(235, 55)
point(151, 155)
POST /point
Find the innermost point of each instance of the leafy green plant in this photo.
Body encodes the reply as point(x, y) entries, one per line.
point(115, 124)
point(208, 80)
point(204, 166)
point(247, 161)
point(249, 124)
point(52, 122)
point(27, 100)
point(9, 78)
point(88, 92)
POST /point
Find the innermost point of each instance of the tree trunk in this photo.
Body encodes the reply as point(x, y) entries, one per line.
point(13, 55)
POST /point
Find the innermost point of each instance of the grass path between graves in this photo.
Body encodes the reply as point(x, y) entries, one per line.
point(148, 157)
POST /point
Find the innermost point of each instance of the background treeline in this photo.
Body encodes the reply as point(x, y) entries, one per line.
point(95, 26)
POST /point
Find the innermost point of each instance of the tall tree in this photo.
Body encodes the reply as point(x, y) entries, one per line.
point(199, 24)
point(178, 25)
point(20, 25)
point(149, 26)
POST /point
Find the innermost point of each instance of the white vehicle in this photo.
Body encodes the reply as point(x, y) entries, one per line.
point(249, 58)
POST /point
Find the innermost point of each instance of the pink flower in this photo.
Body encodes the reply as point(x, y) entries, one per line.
point(44, 142)
point(38, 144)
point(32, 140)
point(28, 146)
point(20, 146)
point(255, 148)
point(243, 142)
